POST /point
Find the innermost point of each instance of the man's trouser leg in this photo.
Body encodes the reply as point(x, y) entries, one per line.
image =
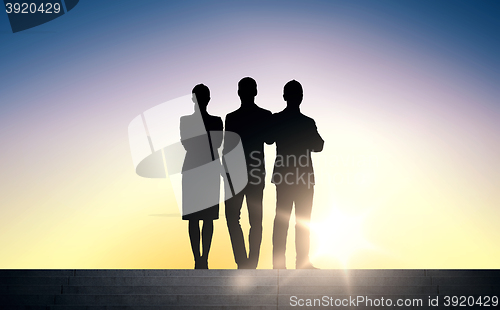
point(254, 204)
point(233, 211)
point(284, 203)
point(303, 208)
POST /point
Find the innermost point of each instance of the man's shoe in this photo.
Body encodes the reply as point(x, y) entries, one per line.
point(307, 265)
point(252, 264)
point(243, 265)
point(201, 263)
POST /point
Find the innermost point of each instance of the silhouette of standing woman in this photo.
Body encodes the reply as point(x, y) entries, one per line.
point(201, 136)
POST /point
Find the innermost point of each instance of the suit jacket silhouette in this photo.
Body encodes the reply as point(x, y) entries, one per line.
point(251, 123)
point(296, 136)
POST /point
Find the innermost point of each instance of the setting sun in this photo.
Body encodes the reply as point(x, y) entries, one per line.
point(338, 236)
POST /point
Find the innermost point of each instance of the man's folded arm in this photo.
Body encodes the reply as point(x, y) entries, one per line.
point(317, 142)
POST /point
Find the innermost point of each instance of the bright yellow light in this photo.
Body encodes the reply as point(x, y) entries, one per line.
point(338, 236)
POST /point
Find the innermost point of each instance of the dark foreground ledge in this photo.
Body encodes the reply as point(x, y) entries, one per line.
point(148, 289)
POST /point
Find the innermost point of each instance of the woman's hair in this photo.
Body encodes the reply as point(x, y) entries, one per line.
point(202, 93)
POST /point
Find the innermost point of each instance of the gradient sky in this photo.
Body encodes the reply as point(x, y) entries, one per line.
point(404, 93)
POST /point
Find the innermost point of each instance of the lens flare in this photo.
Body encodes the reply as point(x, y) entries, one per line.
point(338, 236)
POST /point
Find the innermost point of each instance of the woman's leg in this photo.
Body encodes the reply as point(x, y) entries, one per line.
point(207, 233)
point(194, 235)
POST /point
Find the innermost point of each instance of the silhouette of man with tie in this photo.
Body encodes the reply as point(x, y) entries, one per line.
point(251, 123)
point(296, 136)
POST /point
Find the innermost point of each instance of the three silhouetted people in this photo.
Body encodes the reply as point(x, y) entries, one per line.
point(295, 135)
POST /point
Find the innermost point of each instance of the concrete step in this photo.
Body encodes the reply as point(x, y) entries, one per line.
point(352, 290)
point(176, 273)
point(212, 290)
point(211, 273)
point(31, 300)
point(348, 273)
point(465, 290)
point(5, 307)
point(34, 280)
point(68, 307)
point(36, 273)
point(463, 273)
point(248, 281)
point(332, 290)
point(173, 281)
point(353, 281)
point(138, 273)
point(230, 289)
point(465, 281)
point(31, 289)
point(177, 307)
point(96, 290)
point(255, 273)
point(167, 300)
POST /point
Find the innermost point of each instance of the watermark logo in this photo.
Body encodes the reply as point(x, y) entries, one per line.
point(171, 140)
point(28, 14)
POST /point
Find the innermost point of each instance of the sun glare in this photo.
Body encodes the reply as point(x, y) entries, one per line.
point(338, 236)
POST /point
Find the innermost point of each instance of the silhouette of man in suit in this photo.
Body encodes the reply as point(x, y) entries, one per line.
point(296, 136)
point(251, 123)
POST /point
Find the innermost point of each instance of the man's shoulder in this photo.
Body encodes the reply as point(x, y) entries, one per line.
point(235, 114)
point(264, 111)
point(286, 113)
point(279, 114)
point(307, 119)
point(245, 113)
point(285, 117)
point(257, 111)
point(214, 118)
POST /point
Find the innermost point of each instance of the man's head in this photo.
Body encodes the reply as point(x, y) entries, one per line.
point(247, 88)
point(293, 93)
point(202, 94)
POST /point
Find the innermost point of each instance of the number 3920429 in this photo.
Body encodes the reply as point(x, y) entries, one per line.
point(27, 8)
